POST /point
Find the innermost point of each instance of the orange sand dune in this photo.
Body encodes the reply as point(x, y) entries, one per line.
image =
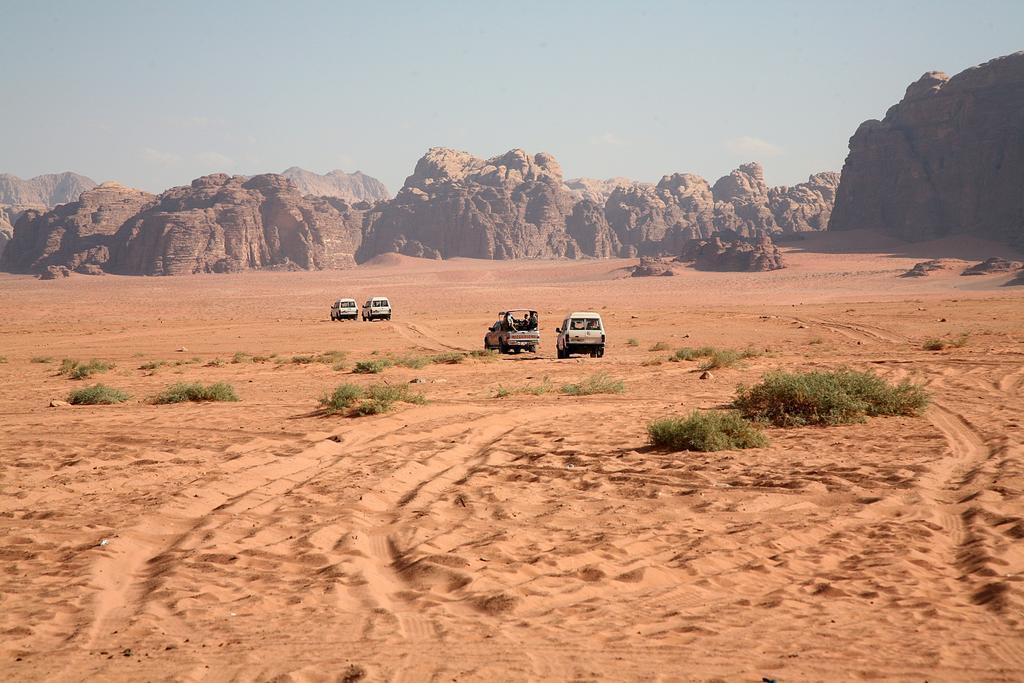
point(476, 538)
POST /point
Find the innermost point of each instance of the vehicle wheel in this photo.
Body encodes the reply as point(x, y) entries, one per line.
point(560, 354)
point(600, 352)
point(502, 347)
point(531, 349)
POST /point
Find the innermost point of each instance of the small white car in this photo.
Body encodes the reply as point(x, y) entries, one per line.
point(581, 332)
point(344, 309)
point(377, 308)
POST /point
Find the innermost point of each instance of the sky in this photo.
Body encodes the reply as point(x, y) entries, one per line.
point(154, 94)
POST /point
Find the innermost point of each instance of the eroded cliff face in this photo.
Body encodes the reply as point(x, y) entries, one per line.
point(454, 204)
point(45, 190)
point(515, 205)
point(78, 235)
point(223, 224)
point(352, 187)
point(947, 159)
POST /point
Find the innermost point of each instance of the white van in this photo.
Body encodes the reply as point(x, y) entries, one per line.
point(581, 332)
point(344, 309)
point(377, 308)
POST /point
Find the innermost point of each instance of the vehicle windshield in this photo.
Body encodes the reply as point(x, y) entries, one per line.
point(585, 324)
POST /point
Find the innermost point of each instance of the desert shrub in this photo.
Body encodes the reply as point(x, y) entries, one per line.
point(370, 407)
point(933, 345)
point(372, 367)
point(726, 358)
point(936, 344)
point(632, 341)
point(3, 359)
point(484, 354)
point(651, 362)
point(690, 353)
point(960, 341)
point(393, 393)
point(598, 383)
point(326, 358)
point(659, 346)
point(197, 392)
point(78, 370)
point(414, 362)
point(153, 365)
point(816, 340)
point(342, 398)
point(97, 394)
point(827, 398)
point(214, 363)
point(448, 358)
point(42, 359)
point(531, 389)
point(705, 431)
point(242, 357)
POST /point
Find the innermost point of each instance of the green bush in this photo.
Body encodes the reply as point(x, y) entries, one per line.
point(933, 345)
point(598, 383)
point(707, 431)
point(370, 407)
point(827, 398)
point(448, 358)
point(689, 353)
point(372, 367)
point(242, 357)
point(393, 393)
point(78, 370)
point(342, 398)
point(197, 392)
point(659, 346)
point(97, 394)
point(414, 362)
point(531, 389)
point(153, 365)
point(484, 354)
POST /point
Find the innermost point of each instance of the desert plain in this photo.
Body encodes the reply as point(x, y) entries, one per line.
point(524, 537)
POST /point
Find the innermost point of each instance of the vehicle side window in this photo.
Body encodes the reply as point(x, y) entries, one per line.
point(593, 324)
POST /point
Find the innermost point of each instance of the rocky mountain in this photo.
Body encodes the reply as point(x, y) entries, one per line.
point(77, 235)
point(222, 224)
point(515, 205)
point(352, 187)
point(947, 159)
point(44, 190)
point(733, 255)
point(454, 204)
point(596, 190)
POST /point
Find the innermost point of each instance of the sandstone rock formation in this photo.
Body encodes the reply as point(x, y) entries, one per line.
point(514, 205)
point(734, 255)
point(352, 187)
point(44, 190)
point(222, 224)
point(454, 204)
point(73, 235)
point(947, 159)
point(596, 190)
point(923, 268)
point(652, 267)
point(992, 265)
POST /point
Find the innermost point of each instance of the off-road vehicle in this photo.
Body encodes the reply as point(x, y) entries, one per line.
point(345, 309)
point(377, 308)
point(514, 331)
point(581, 332)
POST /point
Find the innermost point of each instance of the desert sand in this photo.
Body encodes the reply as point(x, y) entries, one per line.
point(535, 538)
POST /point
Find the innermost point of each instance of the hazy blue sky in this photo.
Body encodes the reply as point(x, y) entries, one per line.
point(153, 94)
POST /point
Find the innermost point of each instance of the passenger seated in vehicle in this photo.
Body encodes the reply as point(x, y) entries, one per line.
point(592, 324)
point(578, 324)
point(532, 321)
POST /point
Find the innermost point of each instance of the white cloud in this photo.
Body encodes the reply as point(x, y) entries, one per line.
point(747, 145)
point(216, 160)
point(155, 156)
point(608, 139)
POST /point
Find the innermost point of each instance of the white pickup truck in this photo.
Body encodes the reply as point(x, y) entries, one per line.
point(581, 332)
point(514, 331)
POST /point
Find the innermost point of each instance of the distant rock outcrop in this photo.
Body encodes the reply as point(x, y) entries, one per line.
point(733, 255)
point(44, 190)
point(223, 224)
point(650, 266)
point(352, 187)
point(993, 265)
point(923, 268)
point(454, 204)
point(73, 235)
point(596, 190)
point(947, 159)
